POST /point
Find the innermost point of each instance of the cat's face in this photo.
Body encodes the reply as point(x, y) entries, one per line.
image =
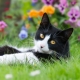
point(49, 38)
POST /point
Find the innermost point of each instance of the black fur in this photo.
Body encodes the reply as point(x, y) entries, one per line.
point(8, 50)
point(60, 36)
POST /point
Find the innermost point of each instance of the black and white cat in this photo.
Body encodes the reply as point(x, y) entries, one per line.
point(50, 43)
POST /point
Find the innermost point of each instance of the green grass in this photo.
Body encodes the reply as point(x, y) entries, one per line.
point(64, 70)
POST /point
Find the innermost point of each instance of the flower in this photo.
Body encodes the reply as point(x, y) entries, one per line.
point(40, 13)
point(70, 23)
point(48, 2)
point(33, 13)
point(8, 76)
point(29, 18)
point(34, 1)
point(48, 9)
point(3, 25)
point(34, 73)
point(24, 17)
point(27, 26)
point(62, 6)
point(23, 33)
point(73, 14)
point(73, 2)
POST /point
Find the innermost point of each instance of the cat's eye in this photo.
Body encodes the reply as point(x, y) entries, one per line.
point(52, 42)
point(41, 36)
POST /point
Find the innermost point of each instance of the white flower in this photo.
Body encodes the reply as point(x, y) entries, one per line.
point(8, 76)
point(34, 73)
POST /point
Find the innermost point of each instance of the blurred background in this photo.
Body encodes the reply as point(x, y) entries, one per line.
point(19, 19)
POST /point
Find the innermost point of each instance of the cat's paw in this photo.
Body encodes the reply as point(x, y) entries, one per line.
point(31, 58)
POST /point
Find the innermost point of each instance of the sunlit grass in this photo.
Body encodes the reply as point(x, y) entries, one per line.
point(60, 70)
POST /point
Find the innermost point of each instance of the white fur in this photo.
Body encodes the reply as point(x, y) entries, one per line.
point(28, 56)
point(19, 57)
point(22, 49)
point(44, 42)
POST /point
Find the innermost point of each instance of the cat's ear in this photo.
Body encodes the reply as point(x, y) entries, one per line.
point(45, 20)
point(65, 34)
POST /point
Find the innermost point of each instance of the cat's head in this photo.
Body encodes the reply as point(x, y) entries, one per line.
point(49, 39)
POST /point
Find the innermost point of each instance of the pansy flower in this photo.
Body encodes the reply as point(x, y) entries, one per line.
point(48, 2)
point(33, 13)
point(62, 6)
point(73, 14)
point(70, 23)
point(34, 2)
point(48, 9)
point(23, 33)
point(73, 2)
point(3, 25)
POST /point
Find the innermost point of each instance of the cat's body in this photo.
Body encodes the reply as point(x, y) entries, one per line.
point(50, 43)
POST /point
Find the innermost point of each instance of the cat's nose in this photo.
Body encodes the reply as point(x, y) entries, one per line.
point(42, 46)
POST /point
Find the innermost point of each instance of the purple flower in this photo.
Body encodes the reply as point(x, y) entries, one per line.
point(3, 24)
point(23, 33)
point(33, 4)
point(73, 24)
point(34, 1)
point(73, 14)
point(30, 19)
point(62, 6)
point(48, 2)
point(70, 23)
point(73, 2)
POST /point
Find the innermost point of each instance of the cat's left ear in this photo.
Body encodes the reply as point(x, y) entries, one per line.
point(45, 20)
point(65, 34)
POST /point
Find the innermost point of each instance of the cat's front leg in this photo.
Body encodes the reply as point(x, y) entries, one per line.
point(19, 57)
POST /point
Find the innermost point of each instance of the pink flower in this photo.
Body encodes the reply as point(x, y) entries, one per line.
point(73, 14)
point(62, 6)
point(3, 24)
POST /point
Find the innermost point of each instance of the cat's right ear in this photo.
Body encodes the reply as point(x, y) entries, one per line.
point(65, 34)
point(45, 20)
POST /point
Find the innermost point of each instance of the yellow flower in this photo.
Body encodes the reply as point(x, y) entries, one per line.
point(40, 13)
point(27, 26)
point(24, 17)
point(48, 9)
point(33, 13)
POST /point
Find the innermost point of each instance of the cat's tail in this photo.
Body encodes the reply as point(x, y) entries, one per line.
point(8, 50)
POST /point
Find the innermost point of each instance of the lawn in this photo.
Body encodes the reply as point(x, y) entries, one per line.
point(28, 15)
point(60, 70)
